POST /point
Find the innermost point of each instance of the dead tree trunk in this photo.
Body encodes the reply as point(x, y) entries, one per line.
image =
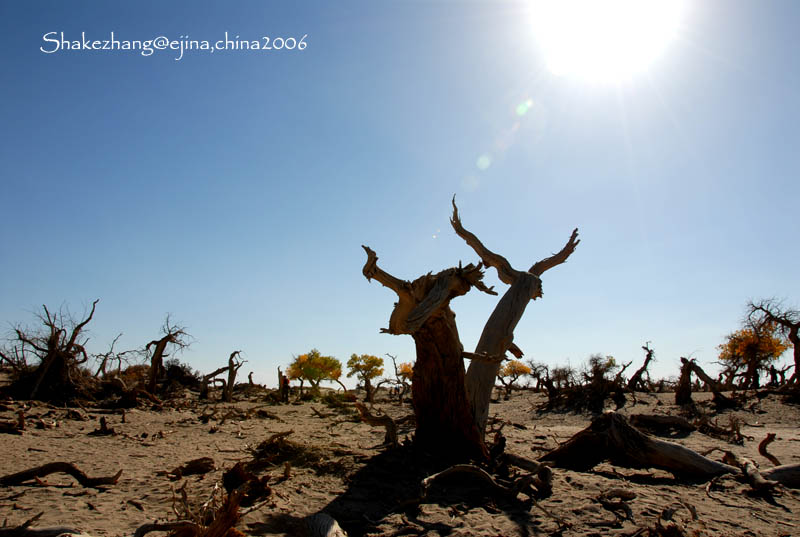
point(444, 420)
point(452, 409)
point(636, 383)
point(173, 335)
point(207, 379)
point(683, 392)
point(498, 333)
point(401, 384)
point(156, 362)
point(234, 364)
point(794, 338)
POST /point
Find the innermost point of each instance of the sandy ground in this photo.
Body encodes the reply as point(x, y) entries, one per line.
point(345, 473)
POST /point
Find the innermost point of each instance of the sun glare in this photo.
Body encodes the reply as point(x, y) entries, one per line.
point(604, 41)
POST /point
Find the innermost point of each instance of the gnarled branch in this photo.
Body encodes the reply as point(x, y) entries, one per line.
point(540, 267)
point(63, 467)
point(373, 272)
point(505, 272)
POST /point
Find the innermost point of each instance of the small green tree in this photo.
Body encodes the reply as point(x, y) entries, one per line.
point(365, 367)
point(315, 368)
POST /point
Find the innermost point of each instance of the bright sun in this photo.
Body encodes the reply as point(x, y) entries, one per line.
point(604, 41)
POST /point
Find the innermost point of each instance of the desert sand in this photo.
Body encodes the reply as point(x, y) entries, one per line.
point(337, 465)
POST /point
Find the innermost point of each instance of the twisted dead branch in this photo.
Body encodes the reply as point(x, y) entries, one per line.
point(59, 467)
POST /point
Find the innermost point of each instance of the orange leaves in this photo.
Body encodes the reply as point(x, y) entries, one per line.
point(405, 370)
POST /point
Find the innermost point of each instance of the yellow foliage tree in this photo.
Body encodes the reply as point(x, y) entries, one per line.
point(405, 371)
point(366, 367)
point(315, 368)
point(510, 372)
point(746, 351)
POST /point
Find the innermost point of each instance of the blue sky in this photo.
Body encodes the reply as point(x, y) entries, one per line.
point(233, 190)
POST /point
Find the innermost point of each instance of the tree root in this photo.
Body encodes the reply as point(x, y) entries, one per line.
point(494, 487)
point(543, 480)
point(380, 421)
point(62, 467)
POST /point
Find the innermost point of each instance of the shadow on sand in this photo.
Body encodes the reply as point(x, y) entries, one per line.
point(389, 484)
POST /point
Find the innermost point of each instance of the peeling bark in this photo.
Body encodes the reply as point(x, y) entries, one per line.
point(451, 407)
point(498, 332)
point(444, 421)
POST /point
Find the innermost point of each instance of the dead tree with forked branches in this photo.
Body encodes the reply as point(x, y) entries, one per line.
point(60, 352)
point(108, 358)
point(451, 406)
point(637, 382)
point(234, 364)
point(498, 332)
point(174, 336)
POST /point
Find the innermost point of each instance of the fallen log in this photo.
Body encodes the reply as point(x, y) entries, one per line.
point(751, 473)
point(59, 467)
point(787, 475)
point(611, 437)
point(661, 423)
point(24, 530)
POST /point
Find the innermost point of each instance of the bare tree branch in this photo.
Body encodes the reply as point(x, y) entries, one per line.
point(505, 272)
point(77, 330)
point(372, 271)
point(540, 267)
